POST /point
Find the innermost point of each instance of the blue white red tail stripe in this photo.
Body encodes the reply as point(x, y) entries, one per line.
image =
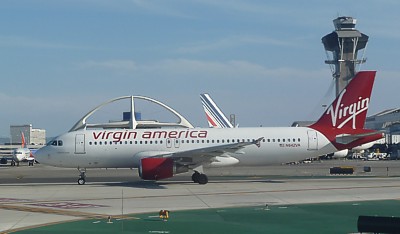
point(215, 117)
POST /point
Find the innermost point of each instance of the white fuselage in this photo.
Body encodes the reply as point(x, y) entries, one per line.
point(122, 148)
point(21, 154)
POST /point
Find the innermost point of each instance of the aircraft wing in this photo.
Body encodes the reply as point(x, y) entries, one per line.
point(199, 156)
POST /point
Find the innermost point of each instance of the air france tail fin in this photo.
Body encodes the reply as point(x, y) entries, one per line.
point(215, 117)
point(349, 109)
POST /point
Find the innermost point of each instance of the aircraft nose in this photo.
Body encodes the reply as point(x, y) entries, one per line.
point(41, 154)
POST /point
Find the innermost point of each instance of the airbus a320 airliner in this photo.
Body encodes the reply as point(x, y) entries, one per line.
point(161, 153)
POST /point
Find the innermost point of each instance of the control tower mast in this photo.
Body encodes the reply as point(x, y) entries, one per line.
point(344, 43)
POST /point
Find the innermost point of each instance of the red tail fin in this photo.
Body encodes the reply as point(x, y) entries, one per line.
point(349, 110)
point(23, 143)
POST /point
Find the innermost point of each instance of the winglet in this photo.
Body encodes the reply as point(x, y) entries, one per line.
point(258, 142)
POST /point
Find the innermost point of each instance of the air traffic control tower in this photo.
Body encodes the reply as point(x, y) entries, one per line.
point(344, 43)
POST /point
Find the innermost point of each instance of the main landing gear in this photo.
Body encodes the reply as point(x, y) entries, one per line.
point(199, 178)
point(82, 176)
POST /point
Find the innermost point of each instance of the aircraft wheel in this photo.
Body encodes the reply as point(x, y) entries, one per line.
point(195, 177)
point(81, 181)
point(203, 179)
point(30, 163)
point(12, 163)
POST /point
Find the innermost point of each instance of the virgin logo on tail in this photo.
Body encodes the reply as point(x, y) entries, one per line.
point(343, 114)
point(349, 110)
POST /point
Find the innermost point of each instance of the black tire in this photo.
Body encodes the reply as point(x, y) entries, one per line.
point(195, 177)
point(81, 181)
point(203, 179)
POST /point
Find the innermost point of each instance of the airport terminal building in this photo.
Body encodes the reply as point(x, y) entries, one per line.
point(33, 136)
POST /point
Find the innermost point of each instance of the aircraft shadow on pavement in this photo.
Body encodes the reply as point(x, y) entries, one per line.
point(162, 184)
point(136, 184)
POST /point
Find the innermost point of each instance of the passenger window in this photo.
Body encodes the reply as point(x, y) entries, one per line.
point(60, 143)
point(298, 139)
point(54, 143)
point(90, 143)
point(283, 140)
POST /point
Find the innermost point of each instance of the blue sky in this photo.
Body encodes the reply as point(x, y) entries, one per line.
point(262, 60)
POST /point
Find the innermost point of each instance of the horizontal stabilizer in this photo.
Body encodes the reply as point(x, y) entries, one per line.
point(347, 138)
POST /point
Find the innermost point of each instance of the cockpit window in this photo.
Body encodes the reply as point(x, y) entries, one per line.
point(56, 143)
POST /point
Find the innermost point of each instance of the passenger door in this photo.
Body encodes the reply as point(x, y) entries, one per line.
point(312, 140)
point(80, 144)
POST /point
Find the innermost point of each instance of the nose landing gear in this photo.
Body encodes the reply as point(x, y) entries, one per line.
point(82, 176)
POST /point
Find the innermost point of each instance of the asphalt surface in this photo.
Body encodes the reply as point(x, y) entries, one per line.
point(42, 195)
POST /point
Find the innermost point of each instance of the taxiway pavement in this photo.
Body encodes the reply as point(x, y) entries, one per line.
point(38, 195)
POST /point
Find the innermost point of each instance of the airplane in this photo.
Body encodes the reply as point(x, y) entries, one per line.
point(215, 117)
point(22, 154)
point(162, 153)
